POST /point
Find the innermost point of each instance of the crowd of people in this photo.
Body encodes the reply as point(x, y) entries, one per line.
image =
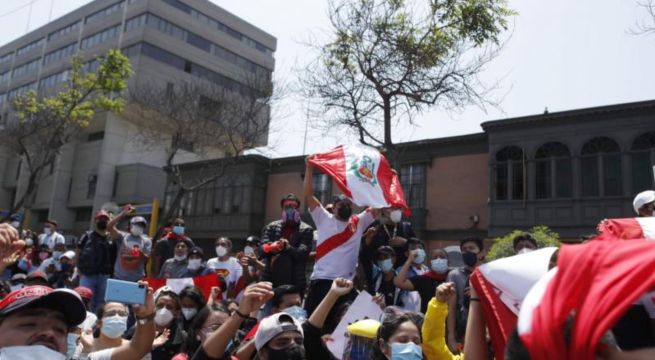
point(52, 298)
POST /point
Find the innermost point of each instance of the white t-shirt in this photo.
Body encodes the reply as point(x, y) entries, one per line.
point(230, 269)
point(52, 239)
point(341, 261)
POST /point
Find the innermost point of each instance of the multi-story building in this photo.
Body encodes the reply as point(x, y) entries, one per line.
point(167, 41)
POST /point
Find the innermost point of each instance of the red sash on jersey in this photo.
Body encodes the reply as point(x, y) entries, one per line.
point(337, 240)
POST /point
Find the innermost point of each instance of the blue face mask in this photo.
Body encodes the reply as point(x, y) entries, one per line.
point(406, 351)
point(71, 342)
point(179, 230)
point(114, 326)
point(439, 266)
point(420, 256)
point(296, 312)
point(385, 265)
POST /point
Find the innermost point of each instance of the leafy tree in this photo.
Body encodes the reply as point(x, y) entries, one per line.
point(40, 124)
point(390, 59)
point(503, 246)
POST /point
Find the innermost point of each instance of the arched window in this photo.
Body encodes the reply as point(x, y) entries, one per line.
point(510, 182)
point(601, 167)
point(553, 171)
point(643, 159)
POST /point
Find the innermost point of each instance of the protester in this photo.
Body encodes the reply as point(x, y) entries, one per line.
point(338, 243)
point(434, 325)
point(196, 264)
point(164, 248)
point(207, 321)
point(37, 278)
point(87, 296)
point(644, 203)
point(192, 303)
point(50, 235)
point(96, 254)
point(32, 262)
point(472, 254)
point(288, 298)
point(177, 266)
point(225, 265)
point(169, 325)
point(286, 246)
point(383, 280)
point(252, 245)
point(427, 283)
point(66, 274)
point(399, 337)
point(133, 248)
point(524, 243)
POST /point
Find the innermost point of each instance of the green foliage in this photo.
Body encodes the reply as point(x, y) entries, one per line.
point(503, 246)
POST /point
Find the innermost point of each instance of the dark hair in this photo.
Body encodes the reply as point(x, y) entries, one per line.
point(100, 311)
point(174, 296)
point(5, 288)
point(478, 242)
point(384, 250)
point(389, 326)
point(227, 239)
point(177, 220)
point(194, 294)
point(192, 343)
point(524, 237)
point(290, 196)
point(280, 291)
point(52, 222)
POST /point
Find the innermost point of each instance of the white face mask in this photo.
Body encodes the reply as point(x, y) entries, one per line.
point(179, 257)
point(395, 215)
point(194, 264)
point(30, 353)
point(29, 242)
point(15, 224)
point(221, 251)
point(136, 230)
point(248, 250)
point(525, 250)
point(189, 312)
point(163, 317)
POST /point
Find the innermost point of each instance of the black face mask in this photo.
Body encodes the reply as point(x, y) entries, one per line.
point(344, 212)
point(102, 225)
point(295, 352)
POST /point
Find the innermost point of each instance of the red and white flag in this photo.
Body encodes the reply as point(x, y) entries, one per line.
point(593, 285)
point(362, 174)
point(501, 286)
point(204, 283)
point(629, 228)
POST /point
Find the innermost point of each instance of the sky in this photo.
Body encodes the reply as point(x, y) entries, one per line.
point(559, 54)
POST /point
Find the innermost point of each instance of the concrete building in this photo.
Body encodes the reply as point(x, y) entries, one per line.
point(167, 41)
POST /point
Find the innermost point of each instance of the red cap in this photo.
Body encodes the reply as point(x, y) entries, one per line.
point(84, 292)
point(102, 213)
point(65, 300)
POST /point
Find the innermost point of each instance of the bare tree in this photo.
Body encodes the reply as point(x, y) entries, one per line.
point(388, 60)
point(645, 27)
point(199, 119)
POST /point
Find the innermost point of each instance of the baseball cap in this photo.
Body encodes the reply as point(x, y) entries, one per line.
point(642, 199)
point(138, 220)
point(18, 277)
point(65, 300)
point(274, 325)
point(102, 213)
point(84, 292)
point(70, 255)
point(197, 251)
point(37, 275)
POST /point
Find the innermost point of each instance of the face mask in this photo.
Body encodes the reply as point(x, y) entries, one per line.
point(114, 326)
point(296, 312)
point(439, 266)
point(179, 257)
point(29, 242)
point(179, 230)
point(385, 265)
point(101, 225)
point(43, 255)
point(294, 352)
point(396, 215)
point(290, 215)
point(406, 351)
point(344, 212)
point(15, 224)
point(420, 256)
point(136, 230)
point(194, 264)
point(65, 267)
point(249, 250)
point(47, 231)
point(30, 353)
point(163, 317)
point(221, 251)
point(525, 250)
point(56, 254)
point(469, 258)
point(189, 312)
point(71, 344)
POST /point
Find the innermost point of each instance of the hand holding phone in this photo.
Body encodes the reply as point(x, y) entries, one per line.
point(125, 292)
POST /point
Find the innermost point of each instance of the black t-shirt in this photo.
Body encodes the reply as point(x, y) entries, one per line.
point(387, 289)
point(426, 287)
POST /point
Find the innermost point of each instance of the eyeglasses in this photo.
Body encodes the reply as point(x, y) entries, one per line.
point(115, 312)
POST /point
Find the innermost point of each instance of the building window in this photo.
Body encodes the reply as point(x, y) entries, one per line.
point(5, 76)
point(65, 30)
point(83, 214)
point(509, 173)
point(53, 80)
point(26, 68)
point(6, 58)
point(98, 15)
point(92, 181)
point(412, 178)
point(322, 188)
point(100, 37)
point(643, 159)
point(553, 171)
point(99, 135)
point(601, 167)
point(31, 46)
point(61, 53)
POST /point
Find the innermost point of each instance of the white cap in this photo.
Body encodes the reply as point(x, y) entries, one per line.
point(60, 240)
point(138, 219)
point(642, 199)
point(273, 326)
point(70, 254)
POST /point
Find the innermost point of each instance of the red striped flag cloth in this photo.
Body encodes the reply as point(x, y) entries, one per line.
point(204, 283)
point(628, 228)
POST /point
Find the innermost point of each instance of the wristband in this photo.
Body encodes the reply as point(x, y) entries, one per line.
point(241, 315)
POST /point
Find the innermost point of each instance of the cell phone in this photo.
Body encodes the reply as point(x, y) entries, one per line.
point(125, 292)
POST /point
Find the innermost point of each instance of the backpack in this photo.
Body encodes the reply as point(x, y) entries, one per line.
point(95, 256)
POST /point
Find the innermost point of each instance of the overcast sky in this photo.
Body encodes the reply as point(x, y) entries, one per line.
point(562, 54)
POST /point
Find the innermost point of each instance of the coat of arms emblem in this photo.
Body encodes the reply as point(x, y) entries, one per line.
point(364, 169)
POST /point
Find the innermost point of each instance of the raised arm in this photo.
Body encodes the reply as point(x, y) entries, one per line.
point(340, 287)
point(434, 325)
point(311, 201)
point(401, 280)
point(475, 346)
point(111, 225)
point(144, 335)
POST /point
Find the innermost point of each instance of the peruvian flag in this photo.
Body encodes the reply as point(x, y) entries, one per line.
point(204, 283)
point(629, 228)
point(593, 285)
point(364, 175)
point(501, 285)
